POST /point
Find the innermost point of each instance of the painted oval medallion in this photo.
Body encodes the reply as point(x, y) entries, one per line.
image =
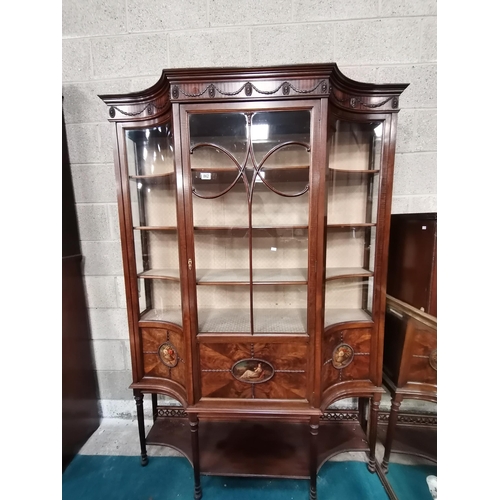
point(342, 356)
point(433, 359)
point(252, 371)
point(168, 354)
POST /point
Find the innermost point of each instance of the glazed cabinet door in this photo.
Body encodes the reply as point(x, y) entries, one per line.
point(248, 176)
point(153, 212)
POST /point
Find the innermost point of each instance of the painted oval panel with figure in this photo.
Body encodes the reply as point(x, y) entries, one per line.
point(342, 356)
point(168, 355)
point(252, 371)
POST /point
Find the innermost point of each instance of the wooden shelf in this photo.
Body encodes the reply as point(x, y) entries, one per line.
point(246, 228)
point(161, 274)
point(164, 315)
point(335, 316)
point(348, 225)
point(260, 276)
point(152, 176)
point(259, 448)
point(334, 273)
point(155, 228)
point(345, 171)
point(265, 321)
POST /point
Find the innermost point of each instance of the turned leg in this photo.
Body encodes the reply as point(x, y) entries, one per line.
point(193, 422)
point(391, 427)
point(372, 436)
point(139, 397)
point(154, 403)
point(313, 456)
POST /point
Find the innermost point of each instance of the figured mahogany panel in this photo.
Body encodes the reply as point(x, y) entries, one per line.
point(346, 355)
point(163, 353)
point(253, 371)
point(423, 356)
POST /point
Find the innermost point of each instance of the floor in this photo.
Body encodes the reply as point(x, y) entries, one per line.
point(117, 436)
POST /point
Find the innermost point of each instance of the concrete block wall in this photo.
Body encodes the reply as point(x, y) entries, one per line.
point(115, 46)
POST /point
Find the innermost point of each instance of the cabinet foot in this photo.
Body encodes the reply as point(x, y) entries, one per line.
point(312, 493)
point(144, 460)
point(197, 492)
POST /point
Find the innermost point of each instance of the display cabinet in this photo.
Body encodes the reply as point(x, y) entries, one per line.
point(254, 211)
point(410, 342)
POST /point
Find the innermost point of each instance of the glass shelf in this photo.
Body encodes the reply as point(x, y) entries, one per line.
point(242, 276)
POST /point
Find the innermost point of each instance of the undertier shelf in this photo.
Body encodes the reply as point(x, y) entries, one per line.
point(265, 449)
point(419, 441)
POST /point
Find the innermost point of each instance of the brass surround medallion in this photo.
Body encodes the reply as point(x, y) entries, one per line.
point(433, 359)
point(168, 355)
point(252, 371)
point(342, 356)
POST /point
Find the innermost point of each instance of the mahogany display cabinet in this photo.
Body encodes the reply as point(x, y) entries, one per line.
point(254, 209)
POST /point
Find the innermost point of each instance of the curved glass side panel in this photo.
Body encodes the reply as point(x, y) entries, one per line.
point(352, 201)
point(150, 159)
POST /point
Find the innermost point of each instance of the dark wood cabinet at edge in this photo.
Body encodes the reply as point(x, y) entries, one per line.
point(410, 343)
point(80, 416)
point(280, 427)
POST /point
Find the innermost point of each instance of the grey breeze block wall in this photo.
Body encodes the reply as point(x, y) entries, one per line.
point(115, 46)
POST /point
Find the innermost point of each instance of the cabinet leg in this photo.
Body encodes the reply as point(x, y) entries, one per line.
point(372, 435)
point(313, 457)
point(193, 422)
point(154, 403)
point(391, 427)
point(139, 397)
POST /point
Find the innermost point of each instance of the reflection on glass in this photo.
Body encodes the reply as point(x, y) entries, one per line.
point(150, 151)
point(250, 173)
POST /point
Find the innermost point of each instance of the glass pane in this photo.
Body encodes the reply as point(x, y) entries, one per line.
point(160, 300)
point(353, 180)
point(150, 151)
point(348, 299)
point(280, 308)
point(154, 216)
point(250, 196)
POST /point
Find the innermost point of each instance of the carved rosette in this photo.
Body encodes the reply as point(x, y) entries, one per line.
point(342, 356)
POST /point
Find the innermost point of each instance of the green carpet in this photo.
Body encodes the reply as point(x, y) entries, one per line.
point(409, 481)
point(95, 477)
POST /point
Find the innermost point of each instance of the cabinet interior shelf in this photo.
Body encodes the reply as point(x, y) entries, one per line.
point(152, 176)
point(273, 276)
point(259, 448)
point(346, 171)
point(346, 225)
point(265, 320)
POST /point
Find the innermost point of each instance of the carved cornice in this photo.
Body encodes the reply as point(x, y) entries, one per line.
point(188, 91)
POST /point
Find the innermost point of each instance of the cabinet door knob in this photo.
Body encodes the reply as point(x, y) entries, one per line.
point(190, 264)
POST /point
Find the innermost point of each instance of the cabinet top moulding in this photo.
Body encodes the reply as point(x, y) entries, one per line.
point(252, 84)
